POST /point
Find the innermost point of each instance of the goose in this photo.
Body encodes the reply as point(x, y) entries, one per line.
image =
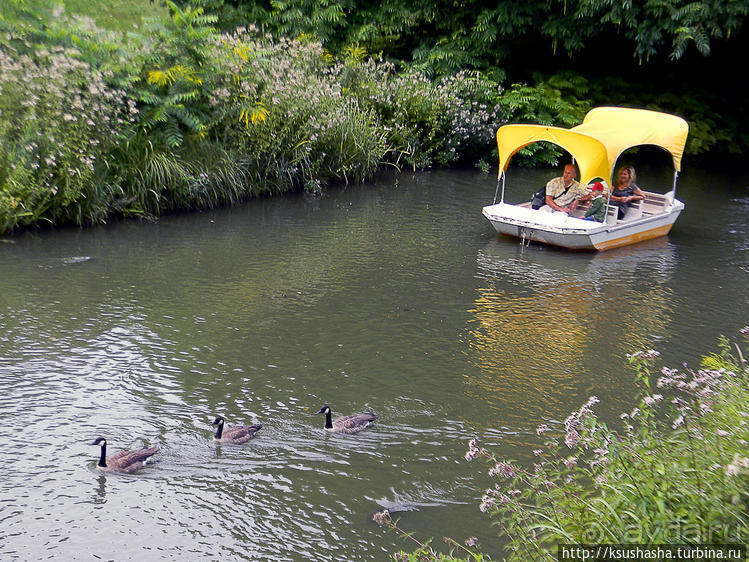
point(124, 461)
point(236, 434)
point(347, 424)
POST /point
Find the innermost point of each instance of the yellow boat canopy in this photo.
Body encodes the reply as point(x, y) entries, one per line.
point(598, 142)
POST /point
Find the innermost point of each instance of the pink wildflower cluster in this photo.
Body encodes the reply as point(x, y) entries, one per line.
point(653, 399)
point(60, 116)
point(573, 425)
point(702, 385)
point(503, 469)
point(473, 450)
point(494, 496)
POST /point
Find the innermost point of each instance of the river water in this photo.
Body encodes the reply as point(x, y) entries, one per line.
point(395, 297)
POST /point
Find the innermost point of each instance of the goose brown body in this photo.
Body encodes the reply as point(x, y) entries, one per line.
point(236, 434)
point(347, 424)
point(124, 461)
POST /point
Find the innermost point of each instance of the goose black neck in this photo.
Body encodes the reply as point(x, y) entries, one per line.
point(328, 420)
point(103, 457)
point(220, 430)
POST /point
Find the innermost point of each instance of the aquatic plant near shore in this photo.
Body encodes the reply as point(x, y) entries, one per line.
point(667, 477)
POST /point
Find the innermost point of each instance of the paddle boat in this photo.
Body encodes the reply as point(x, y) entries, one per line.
point(595, 145)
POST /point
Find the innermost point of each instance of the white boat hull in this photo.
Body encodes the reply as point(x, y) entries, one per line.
point(558, 229)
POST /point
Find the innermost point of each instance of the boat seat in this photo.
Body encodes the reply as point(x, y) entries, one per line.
point(634, 211)
point(654, 203)
point(612, 214)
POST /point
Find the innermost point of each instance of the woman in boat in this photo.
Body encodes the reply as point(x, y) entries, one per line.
point(625, 189)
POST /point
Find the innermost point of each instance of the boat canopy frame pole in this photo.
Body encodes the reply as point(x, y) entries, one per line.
point(676, 176)
point(500, 179)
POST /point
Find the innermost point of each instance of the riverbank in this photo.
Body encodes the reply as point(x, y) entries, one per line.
point(98, 123)
point(172, 115)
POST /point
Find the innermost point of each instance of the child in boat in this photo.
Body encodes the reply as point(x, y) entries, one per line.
point(597, 210)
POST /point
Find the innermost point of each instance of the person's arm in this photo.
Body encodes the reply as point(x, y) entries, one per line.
point(550, 198)
point(583, 194)
point(638, 194)
point(617, 198)
point(550, 202)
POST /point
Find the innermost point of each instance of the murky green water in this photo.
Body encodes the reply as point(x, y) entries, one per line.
point(396, 297)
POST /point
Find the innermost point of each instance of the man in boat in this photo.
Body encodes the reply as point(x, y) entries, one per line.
point(564, 193)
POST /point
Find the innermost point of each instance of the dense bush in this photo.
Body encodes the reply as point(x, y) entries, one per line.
point(450, 35)
point(676, 474)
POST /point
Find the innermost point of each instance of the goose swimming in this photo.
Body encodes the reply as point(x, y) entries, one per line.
point(347, 424)
point(236, 434)
point(124, 461)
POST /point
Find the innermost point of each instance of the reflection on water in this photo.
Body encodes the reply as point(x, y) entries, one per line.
point(100, 493)
point(396, 298)
point(539, 318)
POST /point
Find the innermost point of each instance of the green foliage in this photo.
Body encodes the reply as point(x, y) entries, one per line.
point(320, 19)
point(175, 115)
point(442, 38)
point(542, 104)
point(115, 14)
point(428, 123)
point(58, 119)
point(656, 481)
point(710, 129)
point(175, 82)
point(22, 23)
point(450, 36)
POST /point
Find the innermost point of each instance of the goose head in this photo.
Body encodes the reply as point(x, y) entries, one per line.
point(324, 410)
point(218, 421)
point(101, 442)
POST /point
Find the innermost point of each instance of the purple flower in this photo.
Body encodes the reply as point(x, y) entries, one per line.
point(572, 438)
point(473, 451)
point(486, 503)
point(571, 462)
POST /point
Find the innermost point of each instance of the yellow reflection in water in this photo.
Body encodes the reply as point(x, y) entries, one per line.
point(546, 325)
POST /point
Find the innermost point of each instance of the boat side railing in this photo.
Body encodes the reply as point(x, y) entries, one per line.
point(612, 214)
